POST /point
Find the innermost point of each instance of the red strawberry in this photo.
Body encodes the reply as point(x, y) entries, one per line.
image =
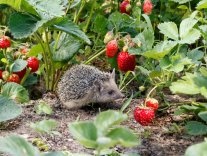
point(33, 63)
point(111, 48)
point(1, 71)
point(144, 115)
point(126, 62)
point(21, 73)
point(5, 42)
point(13, 78)
point(125, 7)
point(152, 103)
point(147, 7)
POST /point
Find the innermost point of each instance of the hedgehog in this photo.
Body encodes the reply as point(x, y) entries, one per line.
point(85, 84)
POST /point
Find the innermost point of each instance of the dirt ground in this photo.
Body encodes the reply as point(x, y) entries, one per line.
point(162, 138)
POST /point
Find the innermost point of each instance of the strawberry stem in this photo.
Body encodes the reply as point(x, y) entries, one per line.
point(150, 92)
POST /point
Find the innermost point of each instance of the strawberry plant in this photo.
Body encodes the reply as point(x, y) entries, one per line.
point(104, 132)
point(56, 51)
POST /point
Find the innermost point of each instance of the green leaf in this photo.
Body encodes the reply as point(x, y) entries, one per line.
point(169, 29)
point(146, 38)
point(43, 107)
point(202, 5)
point(195, 55)
point(100, 25)
point(203, 71)
point(17, 146)
point(68, 26)
point(196, 128)
point(46, 9)
point(45, 126)
point(107, 119)
point(190, 37)
point(123, 136)
point(16, 92)
point(126, 103)
point(199, 149)
point(26, 26)
point(203, 91)
point(160, 50)
point(189, 84)
point(181, 1)
point(178, 62)
point(8, 109)
point(75, 3)
point(16, 4)
point(186, 26)
point(18, 65)
point(203, 116)
point(149, 24)
point(35, 50)
point(67, 48)
point(85, 132)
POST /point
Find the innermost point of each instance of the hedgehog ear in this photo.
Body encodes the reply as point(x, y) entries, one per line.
point(97, 85)
point(113, 74)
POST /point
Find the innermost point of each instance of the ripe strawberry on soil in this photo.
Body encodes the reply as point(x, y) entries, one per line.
point(126, 62)
point(147, 7)
point(33, 63)
point(125, 7)
point(152, 103)
point(112, 48)
point(13, 78)
point(5, 42)
point(144, 115)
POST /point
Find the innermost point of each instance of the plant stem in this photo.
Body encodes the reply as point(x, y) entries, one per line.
point(51, 72)
point(99, 53)
point(148, 95)
point(90, 16)
point(79, 12)
point(44, 54)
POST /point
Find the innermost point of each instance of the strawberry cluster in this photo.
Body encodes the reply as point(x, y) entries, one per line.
point(145, 114)
point(125, 60)
point(126, 7)
point(6, 73)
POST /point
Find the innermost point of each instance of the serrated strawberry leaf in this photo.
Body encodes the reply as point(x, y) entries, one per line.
point(69, 27)
point(169, 29)
point(190, 84)
point(202, 5)
point(160, 50)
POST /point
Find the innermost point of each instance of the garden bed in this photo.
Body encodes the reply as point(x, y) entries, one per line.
point(160, 138)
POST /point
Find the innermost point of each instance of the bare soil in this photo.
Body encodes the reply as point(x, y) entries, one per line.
point(164, 137)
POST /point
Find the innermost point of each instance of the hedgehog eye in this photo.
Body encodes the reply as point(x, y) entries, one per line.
point(111, 92)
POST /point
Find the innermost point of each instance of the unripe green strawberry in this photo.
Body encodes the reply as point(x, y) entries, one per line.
point(126, 62)
point(125, 7)
point(5, 42)
point(144, 115)
point(112, 48)
point(153, 103)
point(108, 37)
point(5, 75)
point(147, 7)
